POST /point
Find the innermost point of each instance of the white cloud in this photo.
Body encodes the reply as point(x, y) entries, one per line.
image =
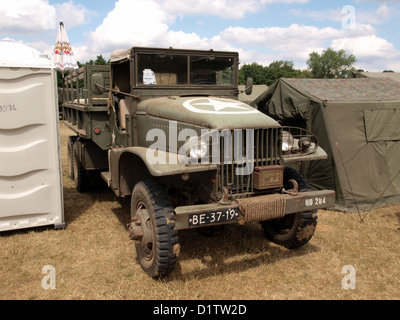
point(373, 53)
point(379, 16)
point(382, 14)
point(147, 23)
point(30, 17)
point(331, 14)
point(138, 22)
point(72, 14)
point(226, 9)
point(295, 42)
point(27, 17)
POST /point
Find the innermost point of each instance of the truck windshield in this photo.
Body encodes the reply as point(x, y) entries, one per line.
point(181, 69)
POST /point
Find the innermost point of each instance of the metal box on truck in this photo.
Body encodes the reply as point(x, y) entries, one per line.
point(30, 164)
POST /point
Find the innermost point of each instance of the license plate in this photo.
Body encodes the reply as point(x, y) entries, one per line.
point(315, 202)
point(207, 218)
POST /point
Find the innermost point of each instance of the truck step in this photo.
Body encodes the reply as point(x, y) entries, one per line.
point(106, 177)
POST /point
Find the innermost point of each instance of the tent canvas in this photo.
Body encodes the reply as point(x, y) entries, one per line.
point(357, 124)
point(391, 75)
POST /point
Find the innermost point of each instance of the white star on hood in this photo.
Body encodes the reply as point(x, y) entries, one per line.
point(219, 105)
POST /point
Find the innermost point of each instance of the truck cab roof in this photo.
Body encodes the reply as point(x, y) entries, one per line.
point(152, 72)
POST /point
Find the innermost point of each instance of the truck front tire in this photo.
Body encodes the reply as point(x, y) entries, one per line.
point(153, 229)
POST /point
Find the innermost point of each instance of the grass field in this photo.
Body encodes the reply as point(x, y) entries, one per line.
point(94, 259)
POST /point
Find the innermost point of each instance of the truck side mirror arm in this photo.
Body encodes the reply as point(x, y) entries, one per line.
point(249, 86)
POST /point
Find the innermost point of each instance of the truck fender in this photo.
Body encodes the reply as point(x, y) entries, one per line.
point(131, 165)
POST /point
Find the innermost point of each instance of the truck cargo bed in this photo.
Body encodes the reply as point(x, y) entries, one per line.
point(84, 108)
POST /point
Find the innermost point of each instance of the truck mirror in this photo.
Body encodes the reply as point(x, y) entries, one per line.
point(97, 78)
point(249, 86)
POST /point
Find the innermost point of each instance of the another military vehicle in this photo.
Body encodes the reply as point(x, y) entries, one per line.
point(165, 127)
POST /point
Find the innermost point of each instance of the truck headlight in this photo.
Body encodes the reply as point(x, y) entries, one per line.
point(287, 141)
point(197, 148)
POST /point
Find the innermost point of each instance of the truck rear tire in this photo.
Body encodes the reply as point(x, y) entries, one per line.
point(81, 176)
point(153, 229)
point(294, 230)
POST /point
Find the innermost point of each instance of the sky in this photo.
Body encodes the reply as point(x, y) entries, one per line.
point(262, 31)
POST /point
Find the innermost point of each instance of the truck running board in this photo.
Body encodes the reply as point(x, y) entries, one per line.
point(106, 177)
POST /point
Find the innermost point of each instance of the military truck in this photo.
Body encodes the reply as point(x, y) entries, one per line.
point(165, 128)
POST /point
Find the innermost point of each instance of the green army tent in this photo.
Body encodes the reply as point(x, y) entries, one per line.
point(357, 122)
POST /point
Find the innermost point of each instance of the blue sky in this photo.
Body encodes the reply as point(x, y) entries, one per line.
point(261, 31)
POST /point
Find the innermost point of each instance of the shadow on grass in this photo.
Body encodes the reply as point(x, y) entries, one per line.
point(11, 233)
point(237, 249)
point(234, 249)
point(76, 203)
point(123, 213)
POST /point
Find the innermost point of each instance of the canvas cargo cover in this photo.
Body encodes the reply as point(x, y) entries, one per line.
point(356, 122)
point(120, 55)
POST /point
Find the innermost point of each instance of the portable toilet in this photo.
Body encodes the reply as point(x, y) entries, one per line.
point(30, 162)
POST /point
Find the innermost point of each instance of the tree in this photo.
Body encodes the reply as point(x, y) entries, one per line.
point(100, 61)
point(331, 64)
point(255, 71)
point(280, 69)
point(268, 75)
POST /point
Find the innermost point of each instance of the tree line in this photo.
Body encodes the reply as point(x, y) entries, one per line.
point(100, 61)
point(327, 65)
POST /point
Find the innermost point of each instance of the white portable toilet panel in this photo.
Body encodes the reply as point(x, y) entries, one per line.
point(30, 165)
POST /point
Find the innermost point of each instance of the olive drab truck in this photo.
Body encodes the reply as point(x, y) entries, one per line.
point(165, 128)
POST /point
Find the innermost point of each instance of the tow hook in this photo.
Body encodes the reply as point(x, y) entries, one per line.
point(225, 197)
point(294, 191)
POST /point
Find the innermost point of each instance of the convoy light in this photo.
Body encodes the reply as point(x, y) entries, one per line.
point(304, 143)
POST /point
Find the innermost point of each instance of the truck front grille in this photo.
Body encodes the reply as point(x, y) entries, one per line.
point(267, 151)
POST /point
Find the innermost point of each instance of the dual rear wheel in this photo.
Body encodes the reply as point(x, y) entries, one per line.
point(85, 180)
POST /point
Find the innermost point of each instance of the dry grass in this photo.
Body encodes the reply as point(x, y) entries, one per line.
point(94, 258)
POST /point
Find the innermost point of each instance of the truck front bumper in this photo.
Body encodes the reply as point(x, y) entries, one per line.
point(259, 208)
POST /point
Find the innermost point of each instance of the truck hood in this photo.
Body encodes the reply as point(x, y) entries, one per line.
point(208, 112)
